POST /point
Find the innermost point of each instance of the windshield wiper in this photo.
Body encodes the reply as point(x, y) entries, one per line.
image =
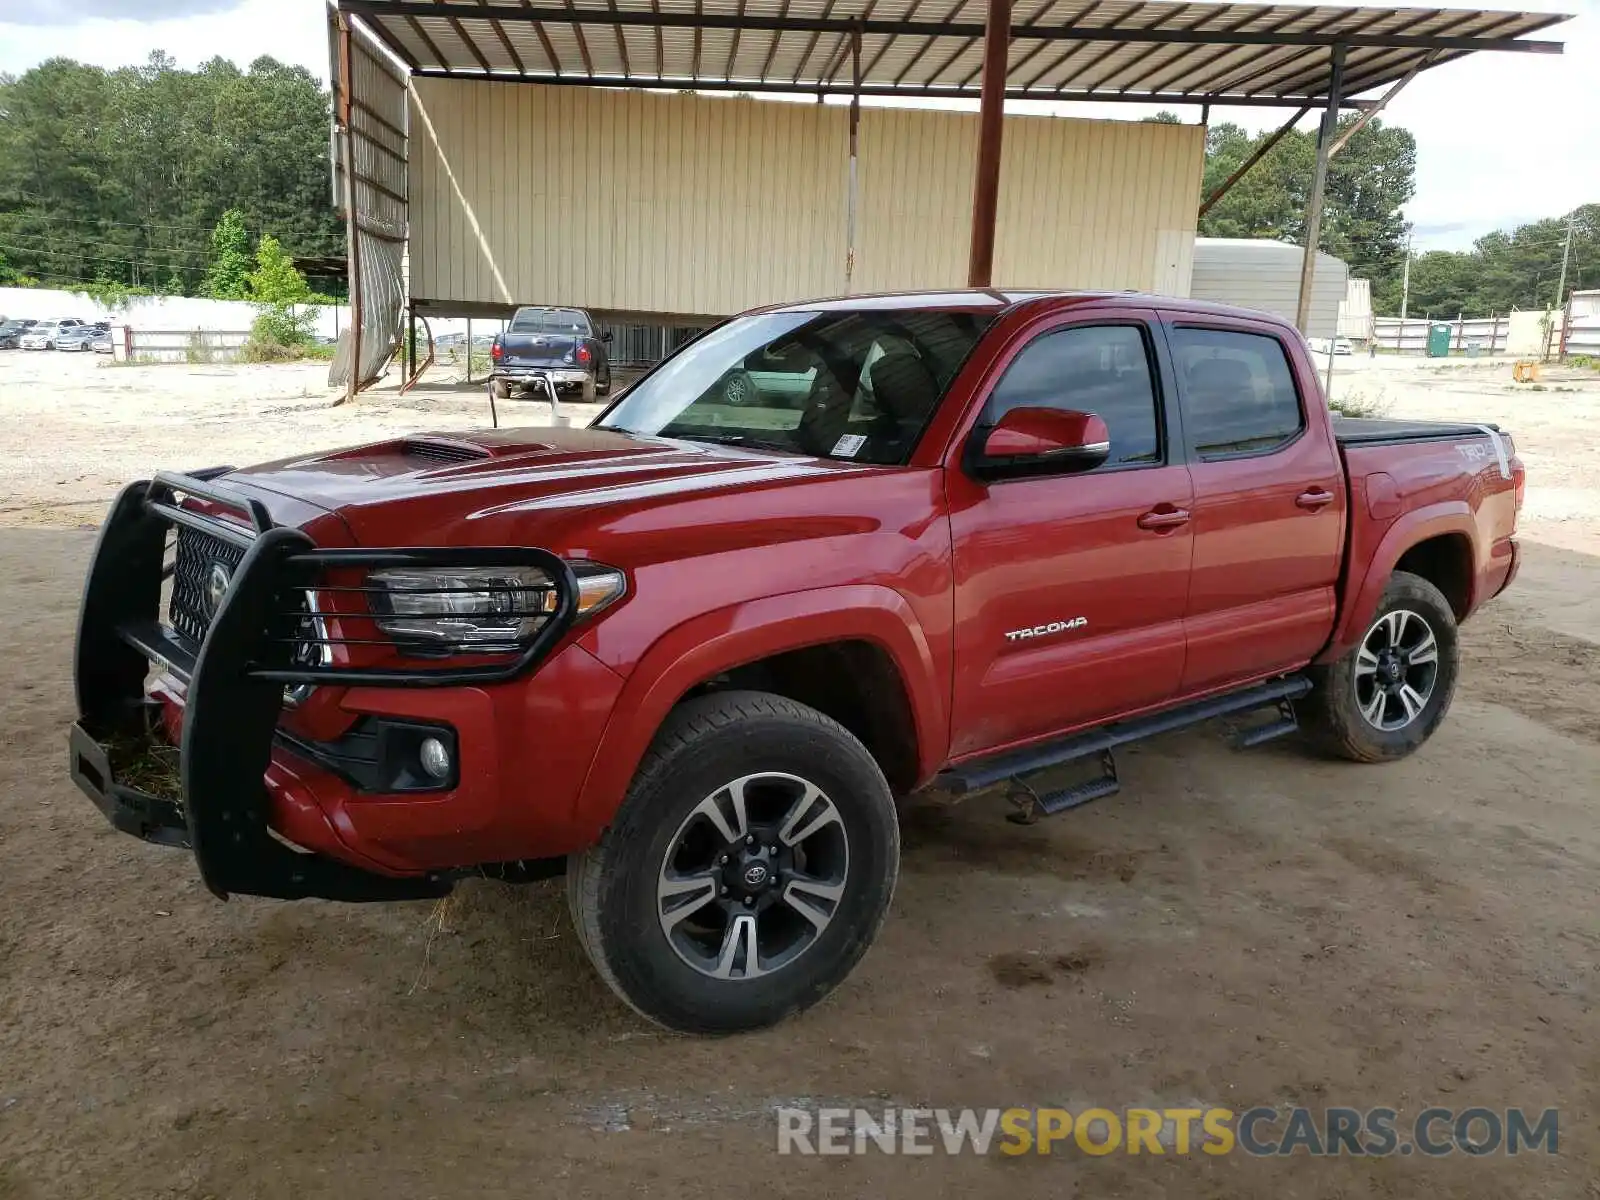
point(734, 439)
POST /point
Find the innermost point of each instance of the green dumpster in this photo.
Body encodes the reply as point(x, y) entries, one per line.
point(1439, 341)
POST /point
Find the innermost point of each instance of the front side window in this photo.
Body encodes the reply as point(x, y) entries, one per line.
point(1238, 392)
point(858, 385)
point(1100, 369)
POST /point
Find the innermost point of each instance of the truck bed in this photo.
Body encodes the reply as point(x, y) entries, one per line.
point(1351, 431)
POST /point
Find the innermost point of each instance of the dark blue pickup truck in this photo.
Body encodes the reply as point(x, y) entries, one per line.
point(558, 345)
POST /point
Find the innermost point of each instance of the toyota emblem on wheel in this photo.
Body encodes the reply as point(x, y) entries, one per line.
point(755, 876)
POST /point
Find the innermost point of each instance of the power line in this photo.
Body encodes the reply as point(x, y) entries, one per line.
point(127, 262)
point(43, 216)
point(49, 246)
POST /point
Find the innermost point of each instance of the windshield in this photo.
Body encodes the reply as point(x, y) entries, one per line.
point(851, 385)
point(550, 320)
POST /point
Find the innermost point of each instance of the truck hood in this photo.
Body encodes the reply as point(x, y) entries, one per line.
point(516, 486)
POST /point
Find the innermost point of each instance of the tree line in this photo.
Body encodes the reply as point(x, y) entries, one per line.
point(118, 178)
point(1369, 184)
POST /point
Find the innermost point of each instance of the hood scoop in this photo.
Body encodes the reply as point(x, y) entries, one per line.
point(442, 450)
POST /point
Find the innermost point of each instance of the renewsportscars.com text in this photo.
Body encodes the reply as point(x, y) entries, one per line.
point(1257, 1132)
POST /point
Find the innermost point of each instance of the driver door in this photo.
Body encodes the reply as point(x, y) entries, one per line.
point(1071, 589)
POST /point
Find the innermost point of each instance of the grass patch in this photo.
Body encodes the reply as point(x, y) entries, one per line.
point(1360, 404)
point(149, 764)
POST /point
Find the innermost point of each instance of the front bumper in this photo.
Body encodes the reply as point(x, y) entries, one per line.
point(239, 795)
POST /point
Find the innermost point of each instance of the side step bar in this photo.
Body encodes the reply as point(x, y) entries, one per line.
point(982, 773)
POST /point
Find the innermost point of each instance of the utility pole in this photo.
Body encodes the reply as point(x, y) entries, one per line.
point(1566, 252)
point(1405, 280)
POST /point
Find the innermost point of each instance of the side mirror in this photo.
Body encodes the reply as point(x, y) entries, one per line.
point(1040, 441)
point(606, 336)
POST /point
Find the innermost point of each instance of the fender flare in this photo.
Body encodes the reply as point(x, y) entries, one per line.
point(1360, 598)
point(730, 637)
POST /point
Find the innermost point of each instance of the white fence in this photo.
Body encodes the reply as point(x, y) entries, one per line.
point(153, 312)
point(178, 345)
point(1472, 335)
point(1583, 336)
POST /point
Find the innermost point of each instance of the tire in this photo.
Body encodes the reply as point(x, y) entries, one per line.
point(739, 390)
point(774, 750)
point(501, 388)
point(589, 389)
point(602, 387)
point(1348, 716)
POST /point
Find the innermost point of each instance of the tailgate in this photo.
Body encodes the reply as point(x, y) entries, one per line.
point(538, 349)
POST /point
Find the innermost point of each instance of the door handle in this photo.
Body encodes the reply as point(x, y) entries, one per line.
point(1164, 519)
point(1314, 499)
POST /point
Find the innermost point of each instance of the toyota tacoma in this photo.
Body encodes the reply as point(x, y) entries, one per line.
point(691, 655)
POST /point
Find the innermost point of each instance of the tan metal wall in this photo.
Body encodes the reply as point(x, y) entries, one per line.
point(1087, 204)
point(638, 202)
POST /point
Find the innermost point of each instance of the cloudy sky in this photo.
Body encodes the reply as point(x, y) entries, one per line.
point(1501, 138)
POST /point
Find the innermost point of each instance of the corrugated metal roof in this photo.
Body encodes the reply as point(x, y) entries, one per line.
point(1163, 51)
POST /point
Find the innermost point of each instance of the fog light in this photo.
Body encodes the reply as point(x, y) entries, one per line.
point(435, 758)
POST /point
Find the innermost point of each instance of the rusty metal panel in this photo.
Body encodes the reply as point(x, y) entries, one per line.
point(373, 101)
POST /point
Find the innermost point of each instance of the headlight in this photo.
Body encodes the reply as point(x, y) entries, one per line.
point(480, 609)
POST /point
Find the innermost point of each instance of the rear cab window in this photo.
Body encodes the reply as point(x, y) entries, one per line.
point(1238, 391)
point(551, 320)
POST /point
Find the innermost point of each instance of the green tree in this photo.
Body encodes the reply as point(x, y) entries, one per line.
point(122, 175)
point(1369, 183)
point(281, 297)
point(228, 277)
point(1503, 271)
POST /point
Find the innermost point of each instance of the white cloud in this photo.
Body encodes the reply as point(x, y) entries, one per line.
point(1501, 138)
point(71, 12)
point(192, 31)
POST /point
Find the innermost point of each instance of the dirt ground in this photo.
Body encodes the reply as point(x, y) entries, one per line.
point(1234, 929)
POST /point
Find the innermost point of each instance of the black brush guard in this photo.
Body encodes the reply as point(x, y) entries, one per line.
point(236, 681)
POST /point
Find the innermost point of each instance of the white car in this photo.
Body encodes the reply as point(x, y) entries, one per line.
point(42, 336)
point(1341, 345)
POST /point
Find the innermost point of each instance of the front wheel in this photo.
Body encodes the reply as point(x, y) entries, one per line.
point(1387, 695)
point(747, 871)
point(739, 390)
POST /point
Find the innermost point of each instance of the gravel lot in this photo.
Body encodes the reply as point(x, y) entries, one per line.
point(1264, 928)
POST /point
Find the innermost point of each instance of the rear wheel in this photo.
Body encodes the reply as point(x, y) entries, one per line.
point(747, 871)
point(501, 388)
point(1387, 695)
point(602, 386)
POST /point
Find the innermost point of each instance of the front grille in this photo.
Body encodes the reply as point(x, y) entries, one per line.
point(192, 606)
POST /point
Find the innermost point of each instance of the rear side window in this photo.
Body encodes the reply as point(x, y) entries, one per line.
point(1238, 391)
point(1100, 369)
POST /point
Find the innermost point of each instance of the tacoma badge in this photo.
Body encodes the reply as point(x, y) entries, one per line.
point(1022, 635)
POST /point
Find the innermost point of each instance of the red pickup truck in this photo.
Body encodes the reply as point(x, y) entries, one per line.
point(691, 655)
